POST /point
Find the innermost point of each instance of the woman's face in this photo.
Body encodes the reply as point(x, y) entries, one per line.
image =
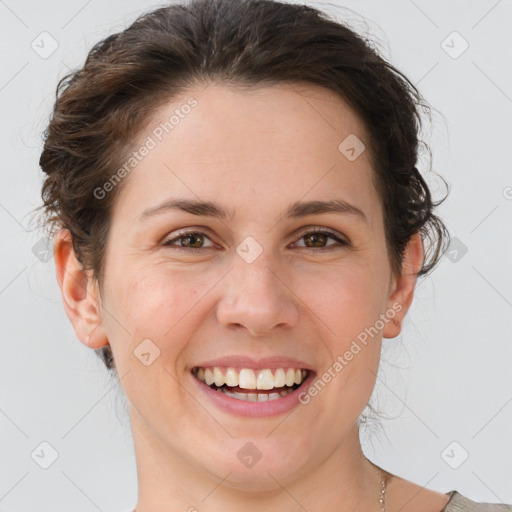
point(255, 283)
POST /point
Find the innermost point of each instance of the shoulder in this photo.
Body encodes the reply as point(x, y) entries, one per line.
point(406, 496)
point(460, 503)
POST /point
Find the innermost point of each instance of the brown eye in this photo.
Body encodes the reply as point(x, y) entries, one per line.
point(318, 239)
point(193, 240)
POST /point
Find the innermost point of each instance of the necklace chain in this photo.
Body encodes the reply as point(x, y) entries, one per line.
point(382, 493)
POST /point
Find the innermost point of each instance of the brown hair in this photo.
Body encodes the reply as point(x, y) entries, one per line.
point(102, 107)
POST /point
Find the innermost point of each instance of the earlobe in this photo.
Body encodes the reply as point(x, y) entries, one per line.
point(79, 293)
point(402, 287)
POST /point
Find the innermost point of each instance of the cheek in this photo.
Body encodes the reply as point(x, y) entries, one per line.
point(347, 299)
point(163, 307)
point(162, 303)
point(349, 305)
point(153, 304)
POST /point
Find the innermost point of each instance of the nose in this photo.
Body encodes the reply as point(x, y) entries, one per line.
point(258, 299)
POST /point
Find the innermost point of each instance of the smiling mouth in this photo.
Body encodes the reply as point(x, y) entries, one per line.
point(252, 385)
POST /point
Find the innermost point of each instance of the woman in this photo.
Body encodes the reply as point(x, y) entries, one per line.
point(239, 222)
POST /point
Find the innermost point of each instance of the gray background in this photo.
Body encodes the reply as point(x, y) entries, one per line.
point(446, 379)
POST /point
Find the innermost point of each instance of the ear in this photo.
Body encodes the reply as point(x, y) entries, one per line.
point(80, 293)
point(402, 287)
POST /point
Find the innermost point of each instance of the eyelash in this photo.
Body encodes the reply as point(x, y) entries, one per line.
point(323, 231)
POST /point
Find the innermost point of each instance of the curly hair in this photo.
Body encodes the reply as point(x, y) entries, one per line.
point(101, 108)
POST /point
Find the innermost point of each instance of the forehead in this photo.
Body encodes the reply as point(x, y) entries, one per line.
point(274, 142)
point(304, 117)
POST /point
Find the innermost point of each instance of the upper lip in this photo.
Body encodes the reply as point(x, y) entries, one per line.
point(240, 361)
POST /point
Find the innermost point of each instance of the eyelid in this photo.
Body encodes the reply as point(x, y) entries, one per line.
point(201, 230)
point(341, 239)
point(320, 229)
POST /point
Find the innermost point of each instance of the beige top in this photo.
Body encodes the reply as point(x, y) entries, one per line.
point(459, 503)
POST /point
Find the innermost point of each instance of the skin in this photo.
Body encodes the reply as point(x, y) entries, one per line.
point(250, 151)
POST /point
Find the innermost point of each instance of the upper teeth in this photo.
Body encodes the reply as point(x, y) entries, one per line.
point(247, 378)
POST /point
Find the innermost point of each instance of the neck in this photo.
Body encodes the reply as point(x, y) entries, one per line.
point(171, 480)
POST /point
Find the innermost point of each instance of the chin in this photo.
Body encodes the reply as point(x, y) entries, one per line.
point(256, 464)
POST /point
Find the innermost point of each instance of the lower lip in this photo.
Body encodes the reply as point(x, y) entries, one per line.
point(254, 409)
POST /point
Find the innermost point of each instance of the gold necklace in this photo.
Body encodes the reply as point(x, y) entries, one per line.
point(382, 493)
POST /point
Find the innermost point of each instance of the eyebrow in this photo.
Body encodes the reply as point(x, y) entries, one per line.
point(295, 210)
